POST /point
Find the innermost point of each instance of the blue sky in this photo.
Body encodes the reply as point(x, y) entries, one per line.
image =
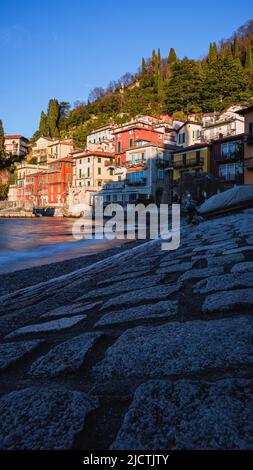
point(62, 48)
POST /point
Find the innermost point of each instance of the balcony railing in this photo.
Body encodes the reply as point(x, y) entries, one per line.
point(249, 139)
point(160, 163)
point(249, 163)
point(136, 163)
point(188, 163)
point(140, 182)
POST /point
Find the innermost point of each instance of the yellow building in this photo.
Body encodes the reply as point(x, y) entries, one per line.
point(193, 158)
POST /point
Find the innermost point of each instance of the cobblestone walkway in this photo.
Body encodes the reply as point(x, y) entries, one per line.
point(143, 350)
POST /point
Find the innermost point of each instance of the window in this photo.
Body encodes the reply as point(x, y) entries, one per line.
point(88, 171)
point(198, 157)
point(182, 138)
point(160, 174)
point(68, 178)
point(99, 183)
point(99, 160)
point(59, 178)
point(119, 147)
point(119, 161)
point(68, 165)
point(184, 159)
point(131, 141)
point(80, 173)
point(133, 158)
point(99, 171)
point(88, 184)
point(88, 159)
point(251, 128)
point(231, 150)
point(231, 171)
point(111, 171)
point(143, 156)
point(80, 161)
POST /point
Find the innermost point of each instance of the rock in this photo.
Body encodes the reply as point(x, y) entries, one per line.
point(238, 250)
point(175, 268)
point(223, 260)
point(228, 301)
point(174, 348)
point(200, 273)
point(142, 295)
point(122, 277)
point(224, 282)
point(189, 416)
point(216, 247)
point(12, 352)
point(42, 418)
point(163, 309)
point(66, 357)
point(70, 309)
point(124, 286)
point(50, 326)
point(245, 267)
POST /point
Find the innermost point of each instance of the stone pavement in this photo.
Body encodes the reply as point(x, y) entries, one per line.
point(145, 350)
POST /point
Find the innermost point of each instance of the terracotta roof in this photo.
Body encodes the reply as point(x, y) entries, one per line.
point(95, 153)
point(192, 147)
point(15, 136)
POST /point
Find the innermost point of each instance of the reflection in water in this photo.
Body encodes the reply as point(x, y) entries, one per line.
point(31, 242)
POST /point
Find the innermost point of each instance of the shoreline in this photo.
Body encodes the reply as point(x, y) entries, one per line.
point(15, 280)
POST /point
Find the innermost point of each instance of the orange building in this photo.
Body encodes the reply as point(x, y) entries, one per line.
point(248, 144)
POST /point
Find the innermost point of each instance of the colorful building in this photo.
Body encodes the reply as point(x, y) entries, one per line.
point(227, 159)
point(195, 158)
point(247, 113)
point(145, 176)
point(16, 145)
point(142, 128)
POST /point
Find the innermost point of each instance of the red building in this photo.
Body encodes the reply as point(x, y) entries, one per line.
point(51, 186)
point(128, 135)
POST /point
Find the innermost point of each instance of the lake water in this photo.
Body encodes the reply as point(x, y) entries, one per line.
point(25, 243)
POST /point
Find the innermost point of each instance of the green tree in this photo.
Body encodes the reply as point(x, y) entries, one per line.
point(225, 83)
point(248, 59)
point(236, 53)
point(53, 118)
point(159, 57)
point(143, 67)
point(213, 53)
point(172, 56)
point(184, 89)
point(43, 127)
point(2, 149)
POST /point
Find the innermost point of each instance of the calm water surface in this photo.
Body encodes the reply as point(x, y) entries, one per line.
point(25, 243)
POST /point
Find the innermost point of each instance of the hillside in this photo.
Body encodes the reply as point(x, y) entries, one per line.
point(172, 85)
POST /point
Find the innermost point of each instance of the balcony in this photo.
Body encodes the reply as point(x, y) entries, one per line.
point(160, 163)
point(189, 162)
point(109, 163)
point(140, 182)
point(248, 164)
point(136, 164)
point(249, 139)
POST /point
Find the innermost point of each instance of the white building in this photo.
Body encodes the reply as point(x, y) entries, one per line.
point(16, 145)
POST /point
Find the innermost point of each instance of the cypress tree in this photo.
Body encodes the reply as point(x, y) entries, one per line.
point(53, 117)
point(172, 56)
point(159, 57)
point(235, 47)
point(43, 128)
point(143, 67)
point(248, 59)
point(229, 52)
point(213, 52)
point(2, 149)
point(153, 57)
